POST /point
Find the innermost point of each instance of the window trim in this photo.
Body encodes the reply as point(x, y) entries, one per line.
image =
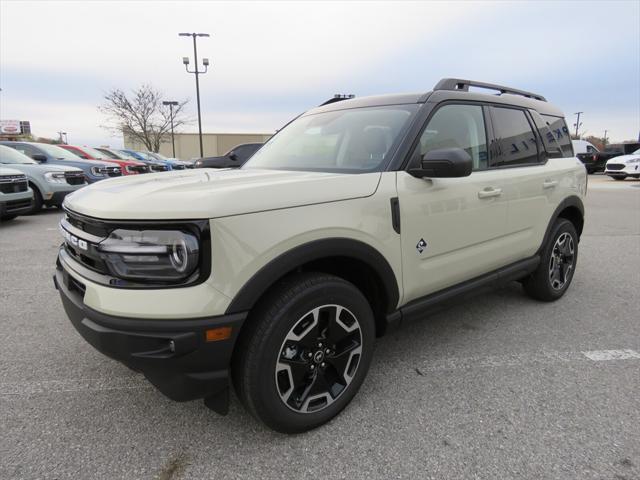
point(406, 165)
point(542, 155)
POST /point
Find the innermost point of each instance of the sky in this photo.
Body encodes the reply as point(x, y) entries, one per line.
point(272, 60)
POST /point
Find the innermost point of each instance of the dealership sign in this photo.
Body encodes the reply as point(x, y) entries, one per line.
point(10, 127)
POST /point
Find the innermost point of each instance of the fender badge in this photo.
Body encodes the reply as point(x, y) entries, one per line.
point(421, 246)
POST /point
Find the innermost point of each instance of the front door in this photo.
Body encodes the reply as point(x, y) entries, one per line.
point(452, 229)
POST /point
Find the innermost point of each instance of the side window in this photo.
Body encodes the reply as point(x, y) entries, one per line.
point(590, 149)
point(549, 141)
point(561, 132)
point(28, 150)
point(516, 142)
point(460, 126)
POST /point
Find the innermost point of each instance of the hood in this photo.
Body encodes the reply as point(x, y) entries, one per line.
point(209, 193)
point(83, 164)
point(625, 158)
point(42, 167)
point(4, 171)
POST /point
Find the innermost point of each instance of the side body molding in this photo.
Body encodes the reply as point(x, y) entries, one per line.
point(316, 250)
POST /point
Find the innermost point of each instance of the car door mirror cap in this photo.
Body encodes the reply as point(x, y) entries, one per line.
point(443, 163)
point(233, 156)
point(40, 158)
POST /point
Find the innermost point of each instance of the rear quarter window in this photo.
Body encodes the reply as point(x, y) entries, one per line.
point(559, 128)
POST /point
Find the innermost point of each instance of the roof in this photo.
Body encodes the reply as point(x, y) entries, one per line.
point(451, 89)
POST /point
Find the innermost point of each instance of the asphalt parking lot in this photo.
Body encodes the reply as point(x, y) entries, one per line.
point(498, 386)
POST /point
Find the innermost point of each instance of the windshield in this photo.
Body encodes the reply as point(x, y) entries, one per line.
point(637, 152)
point(9, 155)
point(156, 156)
point(357, 140)
point(109, 153)
point(57, 152)
point(126, 155)
point(97, 154)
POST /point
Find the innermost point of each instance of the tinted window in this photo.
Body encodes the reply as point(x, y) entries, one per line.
point(561, 132)
point(459, 126)
point(516, 143)
point(549, 141)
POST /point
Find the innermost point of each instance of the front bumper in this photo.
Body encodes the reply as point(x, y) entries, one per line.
point(172, 354)
point(56, 198)
point(628, 170)
point(16, 203)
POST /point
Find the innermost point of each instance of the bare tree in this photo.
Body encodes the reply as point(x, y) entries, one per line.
point(142, 116)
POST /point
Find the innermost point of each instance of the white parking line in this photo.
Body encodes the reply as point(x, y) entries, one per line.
point(603, 355)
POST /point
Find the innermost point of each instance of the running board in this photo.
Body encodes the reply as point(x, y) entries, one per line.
point(420, 307)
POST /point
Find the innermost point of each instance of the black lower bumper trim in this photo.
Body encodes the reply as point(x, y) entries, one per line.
point(57, 198)
point(172, 354)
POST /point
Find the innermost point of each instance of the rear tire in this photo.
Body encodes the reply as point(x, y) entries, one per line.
point(557, 264)
point(304, 352)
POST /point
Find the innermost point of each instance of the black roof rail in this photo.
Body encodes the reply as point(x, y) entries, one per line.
point(338, 97)
point(463, 85)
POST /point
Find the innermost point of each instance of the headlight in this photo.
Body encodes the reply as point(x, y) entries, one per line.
point(633, 160)
point(151, 255)
point(55, 177)
point(96, 171)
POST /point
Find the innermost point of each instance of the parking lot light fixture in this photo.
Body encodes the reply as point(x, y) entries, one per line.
point(171, 104)
point(196, 72)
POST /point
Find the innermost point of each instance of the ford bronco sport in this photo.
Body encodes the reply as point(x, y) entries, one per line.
point(356, 216)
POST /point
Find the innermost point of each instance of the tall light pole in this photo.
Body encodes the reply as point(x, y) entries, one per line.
point(205, 63)
point(604, 139)
point(63, 139)
point(171, 105)
point(578, 121)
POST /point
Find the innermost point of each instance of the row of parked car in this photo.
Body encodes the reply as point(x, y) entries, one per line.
point(617, 160)
point(35, 175)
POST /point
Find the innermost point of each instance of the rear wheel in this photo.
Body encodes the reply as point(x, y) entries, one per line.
point(557, 264)
point(305, 353)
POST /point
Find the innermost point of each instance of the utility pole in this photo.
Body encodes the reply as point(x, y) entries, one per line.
point(577, 124)
point(63, 139)
point(604, 139)
point(205, 63)
point(171, 105)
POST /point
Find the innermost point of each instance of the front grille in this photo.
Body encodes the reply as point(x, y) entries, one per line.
point(138, 168)
point(13, 184)
point(159, 168)
point(89, 225)
point(15, 205)
point(177, 167)
point(111, 171)
point(615, 166)
point(74, 178)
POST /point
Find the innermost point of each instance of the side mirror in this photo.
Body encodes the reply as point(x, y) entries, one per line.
point(443, 163)
point(233, 156)
point(40, 158)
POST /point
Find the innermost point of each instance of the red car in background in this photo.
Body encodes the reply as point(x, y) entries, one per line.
point(129, 167)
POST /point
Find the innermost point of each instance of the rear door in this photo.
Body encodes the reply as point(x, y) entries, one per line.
point(452, 229)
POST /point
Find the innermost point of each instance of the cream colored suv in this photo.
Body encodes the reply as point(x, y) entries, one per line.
point(357, 216)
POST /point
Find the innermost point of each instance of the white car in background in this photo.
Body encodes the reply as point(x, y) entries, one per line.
point(624, 166)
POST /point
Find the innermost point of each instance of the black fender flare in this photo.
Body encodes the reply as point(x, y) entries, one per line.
point(572, 201)
point(289, 261)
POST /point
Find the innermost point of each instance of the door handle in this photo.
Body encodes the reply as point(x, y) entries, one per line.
point(549, 183)
point(490, 192)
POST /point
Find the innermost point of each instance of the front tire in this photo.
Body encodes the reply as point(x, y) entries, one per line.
point(37, 200)
point(304, 352)
point(557, 264)
point(619, 178)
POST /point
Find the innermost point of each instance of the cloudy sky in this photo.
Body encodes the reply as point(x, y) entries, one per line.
point(272, 60)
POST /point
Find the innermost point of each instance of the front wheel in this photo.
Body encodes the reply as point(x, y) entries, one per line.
point(619, 178)
point(557, 264)
point(305, 352)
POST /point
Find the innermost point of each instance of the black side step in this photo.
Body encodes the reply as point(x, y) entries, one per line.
point(420, 307)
